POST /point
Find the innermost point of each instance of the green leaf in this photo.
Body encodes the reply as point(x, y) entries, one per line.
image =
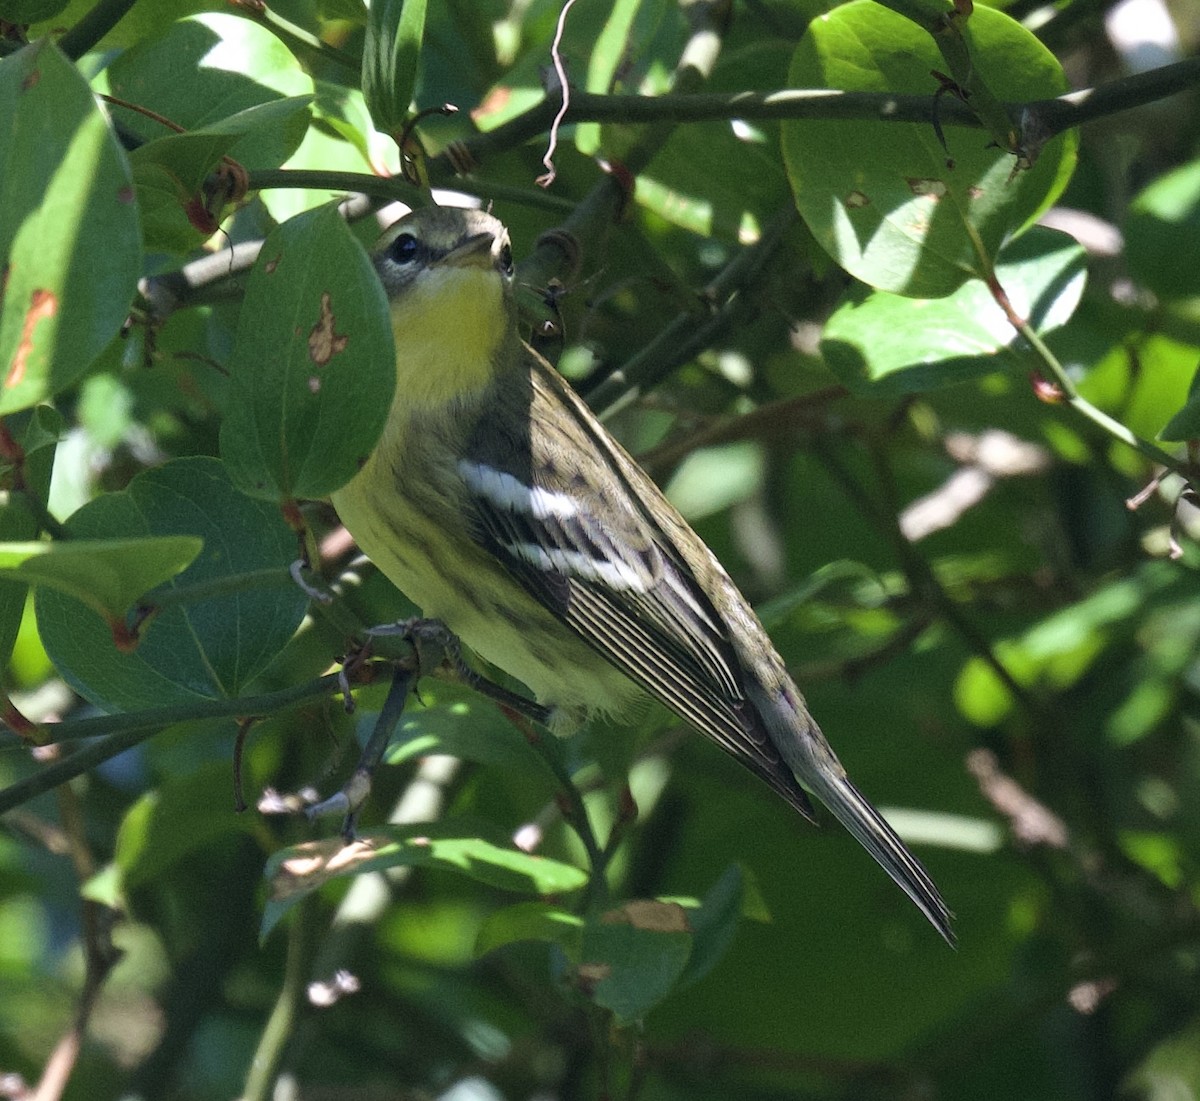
point(391, 51)
point(353, 11)
point(1185, 425)
point(205, 69)
point(1148, 387)
point(610, 51)
point(203, 649)
point(69, 228)
point(730, 206)
point(633, 956)
point(1171, 1069)
point(714, 924)
point(881, 197)
point(313, 370)
point(454, 846)
point(175, 818)
point(1162, 234)
point(146, 19)
point(453, 720)
point(1059, 648)
point(108, 575)
point(531, 921)
point(30, 11)
point(882, 343)
point(17, 524)
point(37, 431)
point(171, 171)
point(193, 155)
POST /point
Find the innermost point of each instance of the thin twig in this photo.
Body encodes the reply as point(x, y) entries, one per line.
point(1045, 116)
point(564, 87)
point(1070, 396)
point(683, 338)
point(115, 734)
point(777, 418)
point(99, 953)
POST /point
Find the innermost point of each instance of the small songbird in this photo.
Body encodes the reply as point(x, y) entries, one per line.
point(499, 504)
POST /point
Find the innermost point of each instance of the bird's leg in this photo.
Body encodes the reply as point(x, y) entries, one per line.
point(435, 649)
point(354, 792)
point(431, 639)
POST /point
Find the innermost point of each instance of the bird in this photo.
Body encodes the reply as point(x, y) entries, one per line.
point(500, 505)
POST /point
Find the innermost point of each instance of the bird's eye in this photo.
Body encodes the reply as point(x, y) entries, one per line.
point(404, 249)
point(506, 260)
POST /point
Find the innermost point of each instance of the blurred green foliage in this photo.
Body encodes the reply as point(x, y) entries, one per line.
point(1003, 652)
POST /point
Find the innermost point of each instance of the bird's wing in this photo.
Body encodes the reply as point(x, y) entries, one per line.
point(569, 514)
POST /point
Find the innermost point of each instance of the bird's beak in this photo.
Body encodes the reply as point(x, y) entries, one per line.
point(474, 252)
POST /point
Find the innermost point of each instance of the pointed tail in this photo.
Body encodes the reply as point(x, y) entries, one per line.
point(850, 807)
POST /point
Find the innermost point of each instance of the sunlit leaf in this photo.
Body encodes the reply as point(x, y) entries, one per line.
point(295, 872)
point(65, 187)
point(886, 200)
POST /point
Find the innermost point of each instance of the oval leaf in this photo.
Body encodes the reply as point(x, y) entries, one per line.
point(391, 50)
point(313, 370)
point(714, 924)
point(882, 198)
point(206, 68)
point(170, 172)
point(632, 957)
point(69, 228)
point(204, 649)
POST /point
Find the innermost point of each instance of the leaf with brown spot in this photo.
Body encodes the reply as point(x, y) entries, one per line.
point(59, 316)
point(43, 305)
point(654, 917)
point(312, 380)
point(449, 845)
point(310, 865)
point(324, 341)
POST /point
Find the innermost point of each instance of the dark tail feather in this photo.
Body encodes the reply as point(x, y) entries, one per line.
point(852, 809)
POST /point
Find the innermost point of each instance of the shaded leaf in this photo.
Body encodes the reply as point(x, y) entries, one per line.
point(391, 51)
point(632, 957)
point(205, 649)
point(175, 818)
point(714, 924)
point(313, 370)
point(108, 575)
point(1162, 234)
point(205, 69)
point(38, 438)
point(536, 921)
point(170, 172)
